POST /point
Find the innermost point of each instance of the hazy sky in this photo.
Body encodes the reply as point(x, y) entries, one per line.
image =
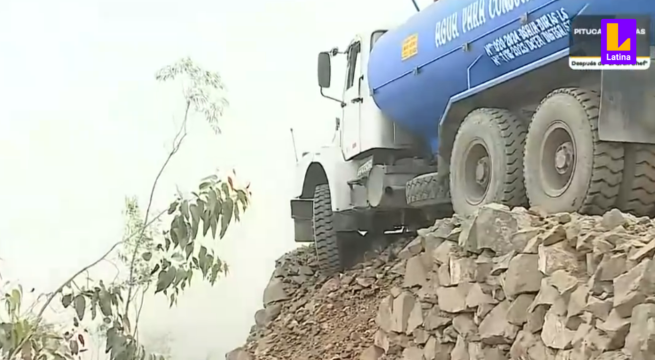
point(83, 124)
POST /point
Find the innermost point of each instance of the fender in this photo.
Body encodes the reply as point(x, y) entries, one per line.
point(325, 166)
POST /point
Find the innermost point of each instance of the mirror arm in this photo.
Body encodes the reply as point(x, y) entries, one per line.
point(343, 104)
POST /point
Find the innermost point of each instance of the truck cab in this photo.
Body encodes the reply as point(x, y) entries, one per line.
point(363, 127)
point(365, 169)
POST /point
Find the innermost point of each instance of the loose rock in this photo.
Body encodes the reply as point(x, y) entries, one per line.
point(503, 284)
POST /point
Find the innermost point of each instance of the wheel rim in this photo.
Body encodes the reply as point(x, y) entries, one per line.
point(477, 172)
point(557, 161)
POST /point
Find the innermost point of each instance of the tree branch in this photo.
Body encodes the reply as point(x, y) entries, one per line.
point(138, 312)
point(52, 296)
point(177, 142)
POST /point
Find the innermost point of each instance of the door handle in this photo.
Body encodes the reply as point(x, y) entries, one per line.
point(357, 100)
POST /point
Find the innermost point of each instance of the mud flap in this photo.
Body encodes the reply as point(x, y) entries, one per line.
point(627, 108)
point(302, 214)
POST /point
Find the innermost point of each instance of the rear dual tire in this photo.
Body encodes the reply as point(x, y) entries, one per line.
point(487, 161)
point(567, 167)
point(637, 192)
point(564, 166)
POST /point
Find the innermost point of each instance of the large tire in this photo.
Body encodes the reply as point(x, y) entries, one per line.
point(326, 240)
point(567, 167)
point(427, 190)
point(637, 192)
point(490, 141)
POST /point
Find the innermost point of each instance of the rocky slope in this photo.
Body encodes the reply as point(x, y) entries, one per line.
point(502, 285)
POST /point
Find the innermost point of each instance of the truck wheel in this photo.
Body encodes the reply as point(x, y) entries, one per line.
point(326, 240)
point(567, 168)
point(487, 161)
point(637, 191)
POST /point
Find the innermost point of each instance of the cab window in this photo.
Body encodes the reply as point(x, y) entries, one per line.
point(353, 54)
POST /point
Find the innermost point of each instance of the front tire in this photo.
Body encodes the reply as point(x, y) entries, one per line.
point(326, 240)
point(487, 161)
point(567, 167)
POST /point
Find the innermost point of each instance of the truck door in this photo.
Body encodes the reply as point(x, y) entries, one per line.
point(350, 141)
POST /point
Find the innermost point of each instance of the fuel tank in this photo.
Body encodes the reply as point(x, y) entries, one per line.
point(455, 45)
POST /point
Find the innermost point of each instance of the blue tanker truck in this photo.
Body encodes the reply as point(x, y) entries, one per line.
point(470, 102)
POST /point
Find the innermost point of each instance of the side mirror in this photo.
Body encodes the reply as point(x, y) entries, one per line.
point(324, 70)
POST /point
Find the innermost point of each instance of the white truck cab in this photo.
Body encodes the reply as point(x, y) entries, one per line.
point(357, 183)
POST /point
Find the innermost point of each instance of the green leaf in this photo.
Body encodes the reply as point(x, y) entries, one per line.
point(165, 264)
point(182, 232)
point(204, 185)
point(201, 206)
point(213, 223)
point(206, 216)
point(242, 197)
point(66, 300)
point(179, 276)
point(184, 208)
point(189, 250)
point(80, 306)
point(195, 220)
point(146, 256)
point(94, 308)
point(15, 296)
point(174, 238)
point(212, 178)
point(74, 347)
point(165, 279)
point(202, 253)
point(172, 207)
point(228, 205)
point(104, 300)
point(177, 256)
point(208, 265)
point(216, 268)
point(226, 190)
point(204, 261)
point(111, 339)
point(211, 200)
point(154, 270)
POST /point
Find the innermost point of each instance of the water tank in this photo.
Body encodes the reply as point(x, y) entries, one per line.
point(454, 46)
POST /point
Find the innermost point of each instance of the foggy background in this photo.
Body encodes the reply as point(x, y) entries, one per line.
point(83, 124)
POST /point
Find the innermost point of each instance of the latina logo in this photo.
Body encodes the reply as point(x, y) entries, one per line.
point(619, 42)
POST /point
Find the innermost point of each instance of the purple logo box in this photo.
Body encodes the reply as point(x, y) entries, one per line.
point(619, 42)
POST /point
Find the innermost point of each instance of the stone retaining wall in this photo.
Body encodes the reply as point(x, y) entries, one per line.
point(519, 285)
